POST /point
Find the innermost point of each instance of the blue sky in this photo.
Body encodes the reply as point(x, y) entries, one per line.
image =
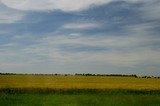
point(80, 36)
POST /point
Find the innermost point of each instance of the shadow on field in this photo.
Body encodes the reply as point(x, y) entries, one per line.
point(76, 91)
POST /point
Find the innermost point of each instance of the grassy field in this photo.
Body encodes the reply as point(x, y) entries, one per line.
point(43, 90)
point(80, 98)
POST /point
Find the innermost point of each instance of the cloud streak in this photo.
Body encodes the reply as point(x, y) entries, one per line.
point(45, 5)
point(64, 5)
point(81, 26)
point(8, 16)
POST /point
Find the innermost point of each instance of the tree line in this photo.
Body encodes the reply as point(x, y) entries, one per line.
point(85, 74)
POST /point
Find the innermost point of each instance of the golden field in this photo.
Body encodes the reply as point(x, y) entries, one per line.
point(78, 82)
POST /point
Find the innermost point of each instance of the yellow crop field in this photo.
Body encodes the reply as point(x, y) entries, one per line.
point(78, 82)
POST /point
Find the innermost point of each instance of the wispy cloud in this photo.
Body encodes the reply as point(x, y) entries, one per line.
point(151, 10)
point(62, 49)
point(65, 5)
point(43, 5)
point(9, 16)
point(112, 38)
point(82, 26)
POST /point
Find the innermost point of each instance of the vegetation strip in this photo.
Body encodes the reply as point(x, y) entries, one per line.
point(77, 91)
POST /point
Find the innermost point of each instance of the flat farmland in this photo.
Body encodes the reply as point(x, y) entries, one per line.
point(48, 90)
point(78, 82)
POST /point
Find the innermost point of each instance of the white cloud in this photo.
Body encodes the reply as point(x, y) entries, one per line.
point(42, 5)
point(81, 26)
point(64, 5)
point(9, 16)
point(10, 65)
point(151, 10)
point(136, 1)
point(151, 7)
point(121, 50)
point(47, 52)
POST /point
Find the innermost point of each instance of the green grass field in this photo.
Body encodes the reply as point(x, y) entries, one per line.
point(78, 97)
point(41, 90)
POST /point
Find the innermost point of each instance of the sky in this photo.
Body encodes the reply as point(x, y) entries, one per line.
point(80, 36)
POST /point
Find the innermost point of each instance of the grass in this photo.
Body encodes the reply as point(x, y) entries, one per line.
point(45, 90)
point(21, 97)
